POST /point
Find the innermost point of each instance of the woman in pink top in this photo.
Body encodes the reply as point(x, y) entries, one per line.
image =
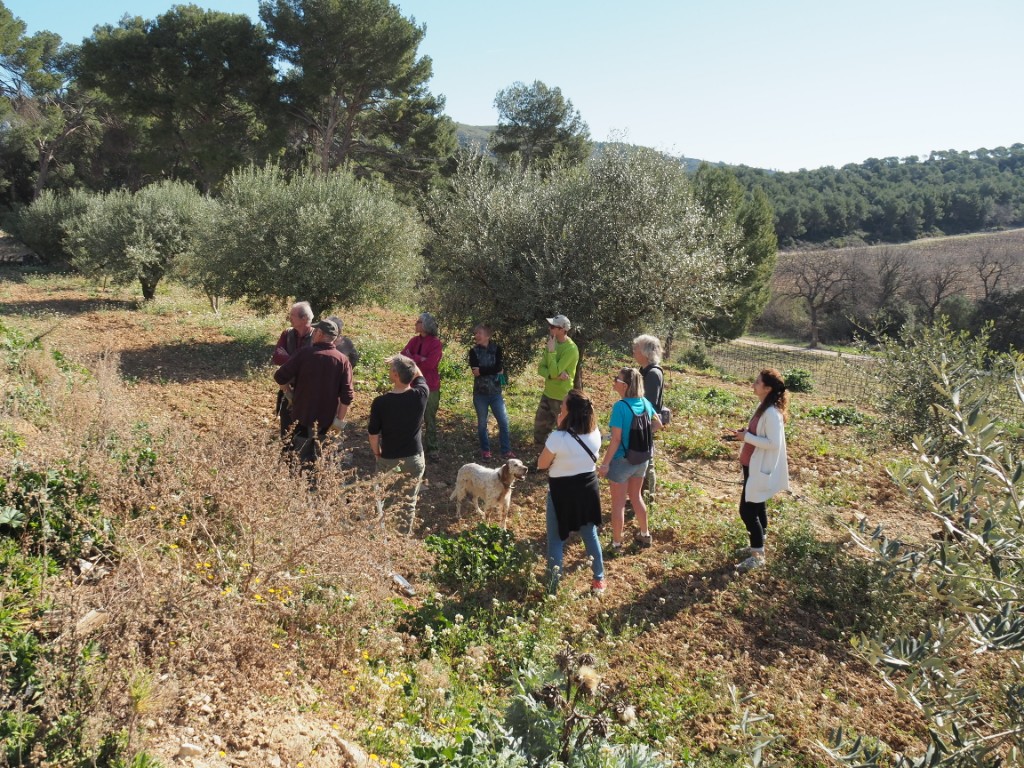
point(425, 350)
point(764, 461)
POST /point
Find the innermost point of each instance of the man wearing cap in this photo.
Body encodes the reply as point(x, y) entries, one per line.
point(558, 367)
point(322, 389)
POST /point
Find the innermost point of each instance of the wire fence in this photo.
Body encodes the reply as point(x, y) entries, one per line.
point(841, 377)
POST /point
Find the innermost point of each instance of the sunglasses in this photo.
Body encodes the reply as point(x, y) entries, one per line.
point(617, 380)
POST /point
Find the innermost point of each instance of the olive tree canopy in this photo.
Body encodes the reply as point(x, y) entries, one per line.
point(618, 244)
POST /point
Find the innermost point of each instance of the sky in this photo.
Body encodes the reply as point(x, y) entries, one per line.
point(782, 85)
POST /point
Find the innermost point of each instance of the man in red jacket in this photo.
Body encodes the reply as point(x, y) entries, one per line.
point(292, 340)
point(322, 390)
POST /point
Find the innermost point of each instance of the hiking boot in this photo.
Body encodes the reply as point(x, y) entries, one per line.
point(485, 455)
point(643, 540)
point(750, 564)
point(614, 550)
point(597, 587)
point(508, 455)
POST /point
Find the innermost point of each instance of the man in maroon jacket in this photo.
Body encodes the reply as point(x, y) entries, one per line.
point(292, 340)
point(322, 390)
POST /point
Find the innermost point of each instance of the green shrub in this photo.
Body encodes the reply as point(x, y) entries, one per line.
point(798, 380)
point(837, 415)
point(479, 558)
point(697, 357)
point(969, 580)
point(332, 239)
point(42, 226)
point(910, 391)
point(54, 512)
point(128, 237)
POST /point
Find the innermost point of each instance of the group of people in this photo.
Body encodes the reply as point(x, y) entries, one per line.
point(315, 382)
point(315, 378)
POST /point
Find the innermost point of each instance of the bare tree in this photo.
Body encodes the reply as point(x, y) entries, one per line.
point(932, 285)
point(891, 269)
point(822, 281)
point(995, 268)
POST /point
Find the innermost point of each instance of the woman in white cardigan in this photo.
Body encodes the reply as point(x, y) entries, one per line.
point(763, 458)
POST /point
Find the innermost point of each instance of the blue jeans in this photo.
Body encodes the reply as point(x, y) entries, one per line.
point(555, 545)
point(497, 404)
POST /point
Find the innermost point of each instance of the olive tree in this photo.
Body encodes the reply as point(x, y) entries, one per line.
point(330, 239)
point(617, 244)
point(973, 575)
point(127, 236)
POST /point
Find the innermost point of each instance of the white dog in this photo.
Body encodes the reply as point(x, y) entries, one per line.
point(491, 486)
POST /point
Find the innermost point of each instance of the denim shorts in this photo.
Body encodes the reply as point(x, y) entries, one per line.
point(621, 470)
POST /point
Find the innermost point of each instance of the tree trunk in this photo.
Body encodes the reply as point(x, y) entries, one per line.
point(814, 327)
point(670, 338)
point(148, 288)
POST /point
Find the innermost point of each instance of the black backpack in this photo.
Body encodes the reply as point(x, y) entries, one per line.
point(641, 439)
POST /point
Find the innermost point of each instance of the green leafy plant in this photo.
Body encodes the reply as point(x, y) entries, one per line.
point(55, 511)
point(569, 719)
point(836, 415)
point(798, 380)
point(484, 556)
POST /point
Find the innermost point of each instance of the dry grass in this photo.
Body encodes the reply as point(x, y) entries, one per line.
point(252, 613)
point(238, 586)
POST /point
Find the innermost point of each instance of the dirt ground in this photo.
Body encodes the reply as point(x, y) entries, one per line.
point(697, 623)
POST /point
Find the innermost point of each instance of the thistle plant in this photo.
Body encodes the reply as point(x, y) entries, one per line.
point(585, 709)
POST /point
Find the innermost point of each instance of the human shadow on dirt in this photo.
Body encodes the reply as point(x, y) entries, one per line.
point(67, 307)
point(184, 361)
point(807, 604)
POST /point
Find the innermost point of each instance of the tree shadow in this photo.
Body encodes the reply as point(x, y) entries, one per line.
point(67, 306)
point(182, 362)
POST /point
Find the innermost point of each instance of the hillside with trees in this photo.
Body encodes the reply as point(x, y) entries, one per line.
point(891, 200)
point(896, 199)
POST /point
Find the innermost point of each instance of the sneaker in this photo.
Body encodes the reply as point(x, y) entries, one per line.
point(597, 587)
point(750, 564)
point(508, 455)
point(614, 549)
point(643, 540)
point(485, 455)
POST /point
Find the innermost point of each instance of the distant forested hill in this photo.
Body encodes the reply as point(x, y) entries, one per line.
point(892, 200)
point(469, 135)
point(479, 135)
point(896, 199)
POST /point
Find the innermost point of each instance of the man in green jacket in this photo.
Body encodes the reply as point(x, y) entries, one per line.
point(558, 367)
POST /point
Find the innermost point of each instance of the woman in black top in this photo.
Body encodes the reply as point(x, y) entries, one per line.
point(488, 373)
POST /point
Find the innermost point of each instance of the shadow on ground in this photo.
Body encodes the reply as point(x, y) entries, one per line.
point(66, 306)
point(181, 362)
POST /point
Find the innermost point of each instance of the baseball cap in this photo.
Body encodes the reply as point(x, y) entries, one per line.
point(327, 326)
point(560, 321)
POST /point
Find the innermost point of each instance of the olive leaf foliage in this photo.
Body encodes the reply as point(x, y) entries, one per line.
point(618, 244)
point(973, 574)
